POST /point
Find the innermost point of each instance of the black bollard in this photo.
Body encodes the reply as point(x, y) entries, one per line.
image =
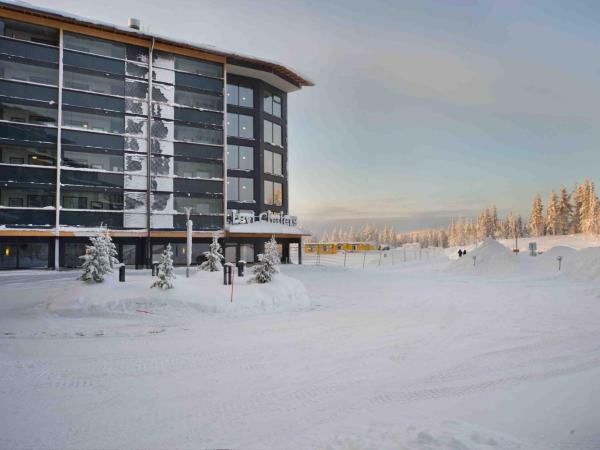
point(241, 266)
point(122, 274)
point(227, 274)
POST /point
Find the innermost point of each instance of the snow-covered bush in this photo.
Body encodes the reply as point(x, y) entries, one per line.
point(213, 257)
point(267, 263)
point(100, 258)
point(165, 270)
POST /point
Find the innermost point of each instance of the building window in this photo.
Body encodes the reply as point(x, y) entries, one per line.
point(240, 189)
point(240, 96)
point(28, 114)
point(92, 200)
point(273, 193)
point(199, 205)
point(90, 160)
point(15, 202)
point(98, 83)
point(272, 104)
point(93, 121)
point(195, 99)
point(28, 32)
point(38, 73)
point(247, 253)
point(95, 46)
point(198, 67)
point(240, 125)
point(273, 163)
point(194, 169)
point(272, 133)
point(240, 157)
point(198, 135)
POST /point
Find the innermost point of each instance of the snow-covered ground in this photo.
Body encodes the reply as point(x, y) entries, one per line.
point(430, 353)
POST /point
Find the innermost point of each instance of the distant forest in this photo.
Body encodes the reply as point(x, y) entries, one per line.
point(577, 211)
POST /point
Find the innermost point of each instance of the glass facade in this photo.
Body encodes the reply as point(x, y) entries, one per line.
point(125, 149)
point(128, 138)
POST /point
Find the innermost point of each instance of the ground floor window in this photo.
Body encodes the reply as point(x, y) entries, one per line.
point(129, 252)
point(231, 253)
point(24, 255)
point(246, 253)
point(72, 251)
point(179, 253)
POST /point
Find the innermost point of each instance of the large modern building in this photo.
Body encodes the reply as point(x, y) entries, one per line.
point(104, 125)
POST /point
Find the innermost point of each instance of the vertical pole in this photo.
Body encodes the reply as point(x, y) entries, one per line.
point(149, 161)
point(58, 152)
point(225, 193)
point(345, 254)
point(364, 257)
point(188, 235)
point(380, 253)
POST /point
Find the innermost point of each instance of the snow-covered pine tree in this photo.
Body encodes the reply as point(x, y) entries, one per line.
point(100, 258)
point(536, 219)
point(267, 263)
point(588, 207)
point(214, 257)
point(565, 211)
point(165, 270)
point(552, 220)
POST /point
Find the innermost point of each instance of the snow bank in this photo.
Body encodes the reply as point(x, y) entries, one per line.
point(584, 266)
point(492, 258)
point(548, 261)
point(203, 293)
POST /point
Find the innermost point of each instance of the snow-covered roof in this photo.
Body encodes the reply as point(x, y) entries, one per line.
point(266, 228)
point(236, 62)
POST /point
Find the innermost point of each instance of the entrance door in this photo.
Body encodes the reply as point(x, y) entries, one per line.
point(129, 251)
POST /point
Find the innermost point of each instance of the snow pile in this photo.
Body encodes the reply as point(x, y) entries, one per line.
point(491, 258)
point(547, 262)
point(203, 292)
point(585, 266)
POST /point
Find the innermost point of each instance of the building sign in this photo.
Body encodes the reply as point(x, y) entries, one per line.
point(241, 217)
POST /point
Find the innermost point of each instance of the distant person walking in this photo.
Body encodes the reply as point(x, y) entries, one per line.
point(464, 252)
point(460, 253)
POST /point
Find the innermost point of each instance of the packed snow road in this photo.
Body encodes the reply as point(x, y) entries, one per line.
point(409, 356)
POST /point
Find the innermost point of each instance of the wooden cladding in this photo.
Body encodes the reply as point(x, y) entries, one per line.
point(98, 32)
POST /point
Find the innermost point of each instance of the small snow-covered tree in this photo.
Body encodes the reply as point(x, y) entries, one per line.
point(165, 270)
point(213, 257)
point(100, 258)
point(267, 263)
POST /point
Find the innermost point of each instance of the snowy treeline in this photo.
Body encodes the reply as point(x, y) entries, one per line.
point(566, 212)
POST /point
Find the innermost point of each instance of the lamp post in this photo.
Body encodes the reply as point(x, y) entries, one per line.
point(188, 255)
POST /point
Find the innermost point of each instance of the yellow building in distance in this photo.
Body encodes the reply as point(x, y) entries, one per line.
point(331, 248)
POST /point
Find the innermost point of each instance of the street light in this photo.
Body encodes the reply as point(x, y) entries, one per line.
point(188, 255)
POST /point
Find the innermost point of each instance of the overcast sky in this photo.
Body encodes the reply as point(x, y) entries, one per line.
point(422, 109)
